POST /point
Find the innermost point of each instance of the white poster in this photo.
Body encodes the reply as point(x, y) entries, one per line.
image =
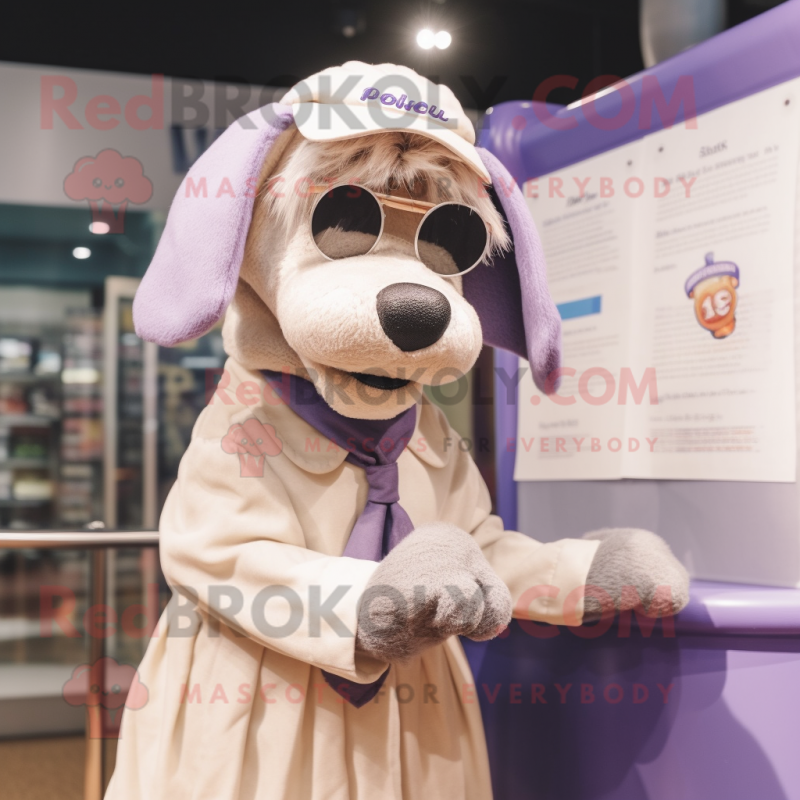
point(672, 261)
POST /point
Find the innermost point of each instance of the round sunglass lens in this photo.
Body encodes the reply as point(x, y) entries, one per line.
point(346, 222)
point(458, 231)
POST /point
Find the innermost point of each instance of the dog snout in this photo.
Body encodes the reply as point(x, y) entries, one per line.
point(413, 316)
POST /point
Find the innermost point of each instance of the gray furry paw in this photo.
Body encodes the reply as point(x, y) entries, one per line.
point(635, 558)
point(435, 584)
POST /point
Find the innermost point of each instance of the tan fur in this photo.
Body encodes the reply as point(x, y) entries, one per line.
point(383, 163)
point(294, 310)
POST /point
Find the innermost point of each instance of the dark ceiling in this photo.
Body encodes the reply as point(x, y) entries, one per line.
point(501, 49)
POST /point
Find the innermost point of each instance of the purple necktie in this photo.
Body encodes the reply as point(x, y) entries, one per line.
point(374, 445)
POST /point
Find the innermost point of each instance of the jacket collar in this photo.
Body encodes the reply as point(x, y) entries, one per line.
point(301, 443)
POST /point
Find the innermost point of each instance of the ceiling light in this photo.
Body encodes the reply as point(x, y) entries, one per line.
point(442, 40)
point(81, 252)
point(349, 22)
point(426, 39)
point(99, 227)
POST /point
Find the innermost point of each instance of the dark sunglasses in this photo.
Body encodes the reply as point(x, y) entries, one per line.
point(456, 228)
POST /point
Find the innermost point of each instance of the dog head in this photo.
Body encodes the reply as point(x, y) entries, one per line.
point(368, 328)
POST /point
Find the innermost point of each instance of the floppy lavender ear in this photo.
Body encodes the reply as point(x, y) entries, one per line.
point(194, 272)
point(511, 296)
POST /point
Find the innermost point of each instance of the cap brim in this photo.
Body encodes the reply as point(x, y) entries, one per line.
point(320, 122)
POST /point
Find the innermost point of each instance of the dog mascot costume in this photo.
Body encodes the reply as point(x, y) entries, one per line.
point(327, 540)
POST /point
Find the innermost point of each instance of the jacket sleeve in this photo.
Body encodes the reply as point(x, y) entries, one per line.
point(546, 579)
point(233, 546)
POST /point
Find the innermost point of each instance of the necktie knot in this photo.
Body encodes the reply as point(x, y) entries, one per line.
point(383, 480)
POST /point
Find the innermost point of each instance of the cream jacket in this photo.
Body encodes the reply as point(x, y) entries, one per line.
point(238, 708)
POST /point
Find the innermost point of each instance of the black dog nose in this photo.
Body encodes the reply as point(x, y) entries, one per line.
point(413, 316)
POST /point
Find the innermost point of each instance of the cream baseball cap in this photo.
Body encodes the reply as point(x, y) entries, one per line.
point(358, 99)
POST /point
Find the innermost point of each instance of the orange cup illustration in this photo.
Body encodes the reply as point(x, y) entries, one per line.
point(713, 289)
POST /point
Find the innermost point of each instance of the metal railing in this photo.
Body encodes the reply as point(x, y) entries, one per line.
point(75, 540)
point(99, 542)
